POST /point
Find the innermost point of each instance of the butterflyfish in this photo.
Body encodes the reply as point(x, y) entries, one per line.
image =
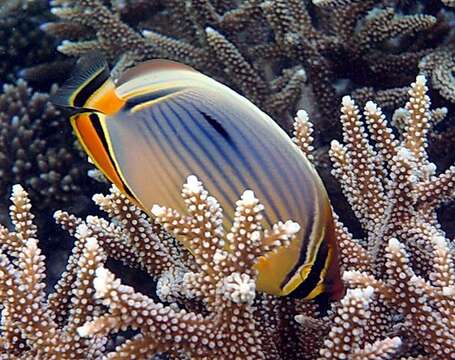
point(163, 121)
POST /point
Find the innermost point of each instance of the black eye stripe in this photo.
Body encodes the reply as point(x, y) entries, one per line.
point(95, 120)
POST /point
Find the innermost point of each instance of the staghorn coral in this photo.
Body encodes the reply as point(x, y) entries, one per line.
point(438, 67)
point(402, 270)
point(214, 310)
point(227, 324)
point(401, 273)
point(393, 189)
point(225, 285)
point(32, 326)
point(34, 150)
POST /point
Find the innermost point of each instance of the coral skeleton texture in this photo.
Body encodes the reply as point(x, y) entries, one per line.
point(401, 277)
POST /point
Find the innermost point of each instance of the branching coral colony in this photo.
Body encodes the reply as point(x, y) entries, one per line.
point(34, 151)
point(401, 277)
point(403, 270)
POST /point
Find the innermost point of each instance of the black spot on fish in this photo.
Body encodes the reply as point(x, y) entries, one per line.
point(217, 126)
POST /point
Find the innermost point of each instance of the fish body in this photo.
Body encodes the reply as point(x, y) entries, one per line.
point(163, 121)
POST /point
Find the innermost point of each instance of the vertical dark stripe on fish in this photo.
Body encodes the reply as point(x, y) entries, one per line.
point(306, 238)
point(161, 137)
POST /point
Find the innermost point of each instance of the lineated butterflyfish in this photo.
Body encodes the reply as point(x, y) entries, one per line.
point(163, 121)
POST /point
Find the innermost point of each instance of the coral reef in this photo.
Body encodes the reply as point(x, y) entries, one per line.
point(226, 323)
point(401, 274)
point(396, 252)
point(33, 325)
point(438, 67)
point(37, 150)
point(36, 144)
point(281, 54)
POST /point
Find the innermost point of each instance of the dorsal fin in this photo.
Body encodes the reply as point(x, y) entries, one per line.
point(151, 66)
point(90, 73)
